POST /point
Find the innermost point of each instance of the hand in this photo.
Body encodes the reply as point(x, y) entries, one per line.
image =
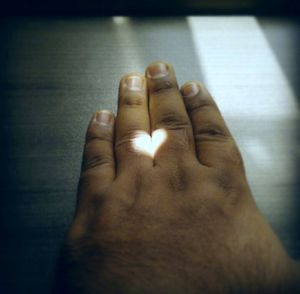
point(171, 215)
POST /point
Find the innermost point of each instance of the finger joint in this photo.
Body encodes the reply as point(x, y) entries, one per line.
point(172, 121)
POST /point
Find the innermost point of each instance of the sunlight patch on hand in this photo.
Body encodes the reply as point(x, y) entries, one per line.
point(147, 144)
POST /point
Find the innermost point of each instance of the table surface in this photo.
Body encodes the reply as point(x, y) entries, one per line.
point(56, 72)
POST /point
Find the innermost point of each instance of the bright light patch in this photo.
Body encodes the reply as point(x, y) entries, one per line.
point(148, 145)
point(120, 20)
point(237, 62)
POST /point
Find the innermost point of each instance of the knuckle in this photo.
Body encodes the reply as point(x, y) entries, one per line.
point(98, 137)
point(172, 121)
point(90, 162)
point(96, 151)
point(163, 85)
point(127, 137)
point(197, 104)
point(230, 158)
point(132, 100)
point(231, 182)
point(89, 191)
point(178, 180)
point(225, 179)
point(210, 132)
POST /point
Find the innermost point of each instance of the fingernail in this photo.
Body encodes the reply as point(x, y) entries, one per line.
point(104, 117)
point(134, 83)
point(157, 70)
point(190, 90)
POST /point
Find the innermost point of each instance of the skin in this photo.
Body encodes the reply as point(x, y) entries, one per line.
point(183, 221)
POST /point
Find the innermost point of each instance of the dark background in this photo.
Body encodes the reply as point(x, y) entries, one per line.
point(60, 61)
point(150, 7)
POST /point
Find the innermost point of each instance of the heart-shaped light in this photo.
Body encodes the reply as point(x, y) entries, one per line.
point(146, 144)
